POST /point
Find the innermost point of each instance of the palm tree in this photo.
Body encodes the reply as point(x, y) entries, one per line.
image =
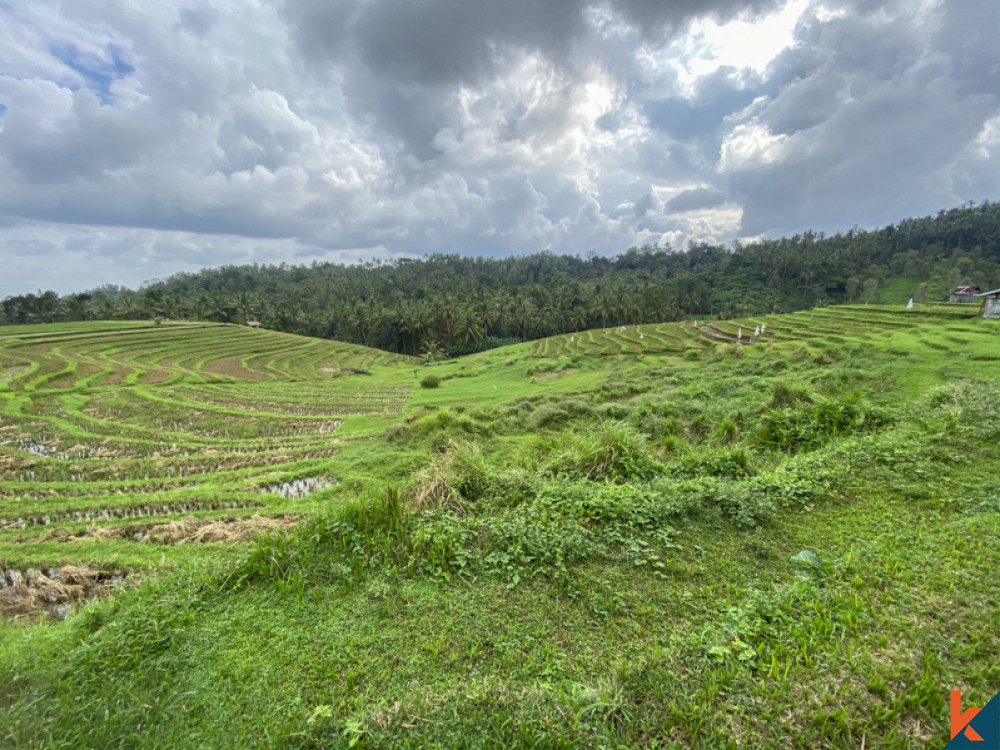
point(483, 309)
point(503, 305)
point(524, 315)
point(604, 306)
point(246, 305)
point(468, 329)
point(220, 308)
point(577, 318)
point(430, 350)
point(129, 305)
point(360, 320)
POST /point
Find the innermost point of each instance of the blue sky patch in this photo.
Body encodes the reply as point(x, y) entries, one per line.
point(98, 73)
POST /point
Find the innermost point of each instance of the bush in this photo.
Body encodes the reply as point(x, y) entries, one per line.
point(442, 423)
point(806, 426)
point(614, 451)
point(559, 413)
point(430, 381)
point(740, 502)
point(733, 462)
point(786, 395)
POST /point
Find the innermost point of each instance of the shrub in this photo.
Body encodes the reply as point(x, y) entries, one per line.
point(967, 405)
point(430, 381)
point(808, 426)
point(614, 411)
point(559, 413)
point(614, 451)
point(548, 415)
point(734, 462)
point(786, 395)
point(736, 500)
point(623, 507)
point(434, 486)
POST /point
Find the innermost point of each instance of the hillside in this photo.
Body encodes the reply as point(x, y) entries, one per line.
point(663, 535)
point(459, 305)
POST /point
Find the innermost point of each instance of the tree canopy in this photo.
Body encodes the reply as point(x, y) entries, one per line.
point(455, 304)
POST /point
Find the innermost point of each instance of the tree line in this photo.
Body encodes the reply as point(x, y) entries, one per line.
point(453, 304)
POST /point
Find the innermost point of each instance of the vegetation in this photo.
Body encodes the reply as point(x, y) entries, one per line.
point(413, 306)
point(651, 536)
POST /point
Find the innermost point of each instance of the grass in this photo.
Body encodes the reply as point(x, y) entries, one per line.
point(603, 542)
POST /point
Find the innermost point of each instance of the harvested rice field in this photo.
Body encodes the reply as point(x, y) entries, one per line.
point(115, 435)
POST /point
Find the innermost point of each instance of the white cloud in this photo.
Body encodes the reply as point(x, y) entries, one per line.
point(751, 144)
point(140, 140)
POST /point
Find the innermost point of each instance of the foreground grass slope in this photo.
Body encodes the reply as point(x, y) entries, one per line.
point(663, 537)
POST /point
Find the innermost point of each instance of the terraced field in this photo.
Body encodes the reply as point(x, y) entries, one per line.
point(117, 439)
point(821, 328)
point(110, 433)
point(776, 531)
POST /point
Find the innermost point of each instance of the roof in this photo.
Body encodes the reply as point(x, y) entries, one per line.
point(994, 293)
point(966, 290)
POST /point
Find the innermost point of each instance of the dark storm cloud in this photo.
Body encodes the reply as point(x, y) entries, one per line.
point(443, 41)
point(400, 60)
point(968, 35)
point(805, 103)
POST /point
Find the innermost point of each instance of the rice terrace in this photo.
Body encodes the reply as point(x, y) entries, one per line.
point(772, 531)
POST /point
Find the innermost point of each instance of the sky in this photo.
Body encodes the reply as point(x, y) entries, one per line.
point(142, 139)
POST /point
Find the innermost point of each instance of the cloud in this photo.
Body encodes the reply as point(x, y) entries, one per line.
point(214, 132)
point(696, 199)
point(858, 138)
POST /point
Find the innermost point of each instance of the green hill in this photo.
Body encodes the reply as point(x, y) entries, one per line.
point(664, 535)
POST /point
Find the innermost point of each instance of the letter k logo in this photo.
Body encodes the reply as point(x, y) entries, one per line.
point(960, 721)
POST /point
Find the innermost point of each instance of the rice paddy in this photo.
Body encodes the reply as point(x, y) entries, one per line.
point(777, 531)
point(104, 424)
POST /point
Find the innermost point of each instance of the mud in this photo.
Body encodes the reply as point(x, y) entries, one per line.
point(190, 530)
point(53, 593)
point(120, 511)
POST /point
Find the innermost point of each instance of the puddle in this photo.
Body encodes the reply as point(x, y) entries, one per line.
point(298, 488)
point(53, 591)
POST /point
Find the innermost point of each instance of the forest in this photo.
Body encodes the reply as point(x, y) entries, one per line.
point(449, 304)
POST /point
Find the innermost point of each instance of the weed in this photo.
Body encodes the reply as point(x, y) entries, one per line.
point(614, 450)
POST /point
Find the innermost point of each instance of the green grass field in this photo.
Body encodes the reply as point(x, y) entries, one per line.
point(667, 536)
